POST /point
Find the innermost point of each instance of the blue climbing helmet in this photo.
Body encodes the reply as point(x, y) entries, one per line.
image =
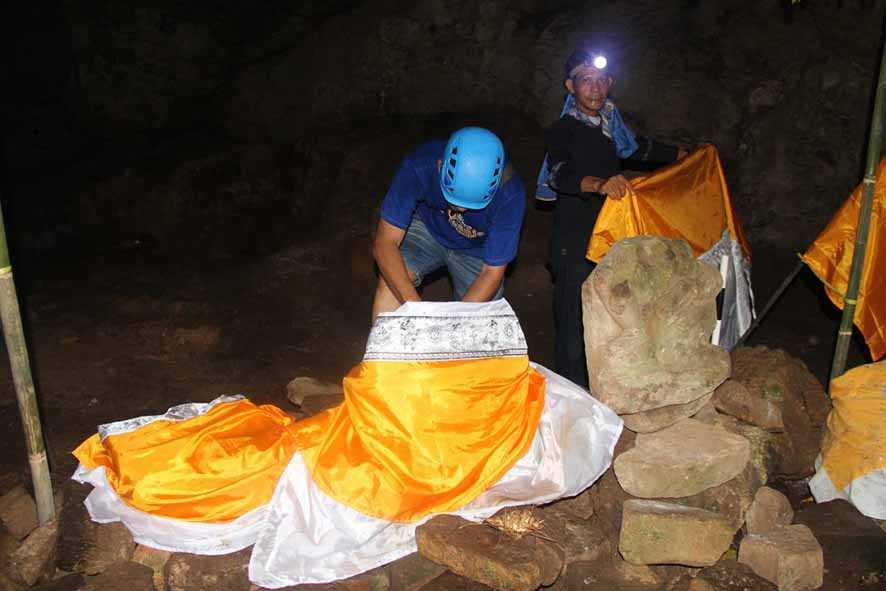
point(472, 165)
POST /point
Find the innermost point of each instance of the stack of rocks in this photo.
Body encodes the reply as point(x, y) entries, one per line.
point(699, 446)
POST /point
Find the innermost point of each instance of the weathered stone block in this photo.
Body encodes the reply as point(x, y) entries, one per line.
point(489, 556)
point(733, 398)
point(653, 532)
point(657, 419)
point(770, 510)
point(122, 576)
point(788, 556)
point(35, 558)
point(190, 572)
point(681, 460)
point(18, 512)
point(413, 572)
point(156, 561)
point(649, 310)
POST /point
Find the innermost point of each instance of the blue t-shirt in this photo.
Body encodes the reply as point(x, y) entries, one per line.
point(490, 234)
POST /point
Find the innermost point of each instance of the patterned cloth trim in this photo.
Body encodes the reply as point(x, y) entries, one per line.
point(176, 413)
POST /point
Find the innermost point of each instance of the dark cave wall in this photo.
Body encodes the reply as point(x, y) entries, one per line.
point(118, 106)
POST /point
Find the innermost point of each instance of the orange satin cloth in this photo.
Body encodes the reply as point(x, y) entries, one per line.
point(214, 467)
point(688, 200)
point(421, 437)
point(830, 258)
point(412, 438)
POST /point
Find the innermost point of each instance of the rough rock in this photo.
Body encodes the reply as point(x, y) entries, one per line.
point(35, 558)
point(733, 398)
point(649, 310)
point(302, 387)
point(18, 512)
point(413, 572)
point(730, 499)
point(156, 561)
point(8, 543)
point(665, 416)
point(122, 576)
point(586, 541)
point(374, 580)
point(7, 584)
point(681, 460)
point(449, 581)
point(611, 573)
point(70, 582)
point(772, 374)
point(191, 572)
point(653, 532)
point(706, 414)
point(83, 545)
point(854, 546)
point(488, 556)
point(770, 510)
point(788, 556)
point(726, 575)
point(581, 506)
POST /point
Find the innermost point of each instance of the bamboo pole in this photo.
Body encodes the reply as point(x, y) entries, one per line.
point(864, 218)
point(24, 384)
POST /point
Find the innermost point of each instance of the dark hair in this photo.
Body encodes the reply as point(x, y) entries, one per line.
point(586, 55)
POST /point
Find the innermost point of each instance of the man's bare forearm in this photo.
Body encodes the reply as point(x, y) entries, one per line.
point(485, 285)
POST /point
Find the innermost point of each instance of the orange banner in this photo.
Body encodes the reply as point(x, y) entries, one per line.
point(830, 258)
point(687, 200)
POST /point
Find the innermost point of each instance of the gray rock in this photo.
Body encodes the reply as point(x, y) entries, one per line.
point(35, 558)
point(653, 532)
point(649, 310)
point(657, 419)
point(191, 572)
point(770, 510)
point(681, 460)
point(789, 556)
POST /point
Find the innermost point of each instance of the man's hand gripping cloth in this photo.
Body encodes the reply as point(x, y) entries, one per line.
point(444, 415)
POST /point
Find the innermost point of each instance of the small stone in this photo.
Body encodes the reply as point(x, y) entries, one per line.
point(653, 532)
point(789, 556)
point(726, 575)
point(413, 572)
point(35, 558)
point(191, 572)
point(658, 418)
point(681, 460)
point(450, 581)
point(300, 388)
point(18, 512)
point(155, 560)
point(610, 574)
point(586, 541)
point(733, 398)
point(706, 414)
point(579, 507)
point(770, 510)
point(489, 556)
point(70, 582)
point(122, 576)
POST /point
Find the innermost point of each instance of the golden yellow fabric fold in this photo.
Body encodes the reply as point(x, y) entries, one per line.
point(213, 467)
point(687, 200)
point(420, 437)
point(855, 441)
point(412, 438)
point(830, 258)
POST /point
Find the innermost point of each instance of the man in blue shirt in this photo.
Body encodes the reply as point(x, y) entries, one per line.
point(454, 204)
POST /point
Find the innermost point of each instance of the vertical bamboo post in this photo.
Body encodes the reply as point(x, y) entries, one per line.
point(864, 219)
point(24, 383)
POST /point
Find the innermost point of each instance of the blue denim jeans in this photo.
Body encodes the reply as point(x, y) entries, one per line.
point(423, 255)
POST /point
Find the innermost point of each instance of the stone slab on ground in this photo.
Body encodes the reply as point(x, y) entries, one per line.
point(658, 418)
point(586, 541)
point(18, 512)
point(770, 510)
point(156, 561)
point(70, 582)
point(578, 507)
point(122, 576)
point(35, 558)
point(681, 460)
point(610, 574)
point(8, 543)
point(374, 580)
point(83, 545)
point(726, 575)
point(733, 398)
point(854, 546)
point(450, 581)
point(489, 556)
point(649, 308)
point(191, 572)
point(413, 572)
point(789, 556)
point(654, 532)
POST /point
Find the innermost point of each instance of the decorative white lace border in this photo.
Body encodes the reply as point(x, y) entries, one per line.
point(434, 337)
point(176, 413)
